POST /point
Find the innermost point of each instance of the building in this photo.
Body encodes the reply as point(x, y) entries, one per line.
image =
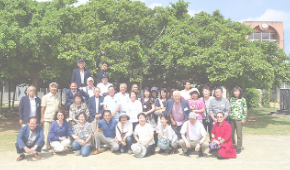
point(269, 31)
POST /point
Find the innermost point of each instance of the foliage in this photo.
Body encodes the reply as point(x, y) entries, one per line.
point(253, 98)
point(266, 97)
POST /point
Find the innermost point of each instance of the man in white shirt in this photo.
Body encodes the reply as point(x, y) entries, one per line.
point(104, 85)
point(123, 97)
point(193, 135)
point(89, 89)
point(185, 93)
point(112, 103)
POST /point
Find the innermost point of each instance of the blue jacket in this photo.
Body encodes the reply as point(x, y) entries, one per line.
point(184, 105)
point(76, 76)
point(24, 109)
point(57, 131)
point(92, 107)
point(69, 97)
point(23, 136)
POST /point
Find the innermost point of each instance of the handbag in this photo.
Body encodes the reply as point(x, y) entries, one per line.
point(122, 134)
point(207, 119)
point(163, 143)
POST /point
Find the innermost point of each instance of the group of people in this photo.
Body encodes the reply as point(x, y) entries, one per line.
point(95, 116)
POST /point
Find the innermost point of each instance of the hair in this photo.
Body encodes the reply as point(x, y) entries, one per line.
point(83, 115)
point(131, 93)
point(175, 93)
point(221, 113)
point(185, 82)
point(237, 88)
point(31, 86)
point(105, 62)
point(32, 118)
point(107, 111)
point(111, 87)
point(73, 83)
point(206, 88)
point(123, 84)
point(78, 94)
point(194, 92)
point(141, 114)
point(61, 110)
point(146, 89)
point(166, 118)
point(165, 91)
point(218, 88)
point(97, 88)
point(134, 84)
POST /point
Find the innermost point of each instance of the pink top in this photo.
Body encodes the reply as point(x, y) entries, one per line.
point(198, 105)
point(177, 114)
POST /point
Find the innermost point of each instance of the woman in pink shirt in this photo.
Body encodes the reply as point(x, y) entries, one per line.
point(196, 105)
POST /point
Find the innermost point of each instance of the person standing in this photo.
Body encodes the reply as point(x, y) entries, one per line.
point(104, 85)
point(148, 108)
point(196, 105)
point(81, 74)
point(238, 116)
point(207, 120)
point(29, 106)
point(103, 70)
point(134, 107)
point(154, 93)
point(49, 105)
point(123, 97)
point(185, 93)
point(89, 89)
point(160, 106)
point(112, 103)
point(69, 95)
point(135, 89)
point(77, 108)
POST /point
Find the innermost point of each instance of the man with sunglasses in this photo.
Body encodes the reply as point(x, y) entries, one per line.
point(103, 70)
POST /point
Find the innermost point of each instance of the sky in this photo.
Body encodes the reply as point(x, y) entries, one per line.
point(237, 10)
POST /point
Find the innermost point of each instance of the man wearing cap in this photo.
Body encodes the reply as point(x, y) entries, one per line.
point(29, 106)
point(193, 135)
point(107, 126)
point(104, 85)
point(185, 93)
point(49, 105)
point(135, 89)
point(112, 103)
point(89, 89)
point(178, 110)
point(69, 95)
point(123, 97)
point(154, 93)
point(103, 70)
point(81, 74)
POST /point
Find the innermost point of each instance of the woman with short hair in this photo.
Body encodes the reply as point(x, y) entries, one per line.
point(196, 105)
point(77, 108)
point(134, 107)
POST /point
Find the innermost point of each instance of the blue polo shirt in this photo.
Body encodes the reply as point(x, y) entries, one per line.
point(109, 130)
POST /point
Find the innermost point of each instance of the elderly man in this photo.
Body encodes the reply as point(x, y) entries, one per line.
point(104, 85)
point(81, 74)
point(107, 125)
point(123, 97)
point(89, 89)
point(30, 140)
point(178, 110)
point(50, 104)
point(103, 70)
point(112, 103)
point(69, 95)
point(185, 93)
point(193, 135)
point(29, 106)
point(219, 104)
point(96, 106)
point(135, 89)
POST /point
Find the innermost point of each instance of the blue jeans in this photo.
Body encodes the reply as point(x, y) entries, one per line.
point(85, 150)
point(129, 141)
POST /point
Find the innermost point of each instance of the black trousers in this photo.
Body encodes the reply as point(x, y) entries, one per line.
point(207, 127)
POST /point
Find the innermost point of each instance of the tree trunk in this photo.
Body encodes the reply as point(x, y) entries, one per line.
point(60, 97)
point(228, 88)
point(140, 89)
point(35, 80)
point(1, 98)
point(9, 96)
point(13, 98)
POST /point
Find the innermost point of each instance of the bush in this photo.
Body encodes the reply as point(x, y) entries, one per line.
point(253, 98)
point(266, 97)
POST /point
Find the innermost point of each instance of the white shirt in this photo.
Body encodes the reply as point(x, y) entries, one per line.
point(184, 94)
point(82, 74)
point(97, 104)
point(74, 92)
point(193, 132)
point(133, 109)
point(88, 90)
point(144, 133)
point(124, 99)
point(31, 138)
point(128, 129)
point(206, 102)
point(103, 87)
point(168, 133)
point(32, 106)
point(112, 104)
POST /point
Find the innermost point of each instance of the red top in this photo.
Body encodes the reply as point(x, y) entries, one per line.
point(224, 131)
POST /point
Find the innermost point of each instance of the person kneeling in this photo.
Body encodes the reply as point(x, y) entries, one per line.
point(222, 143)
point(30, 140)
point(107, 125)
point(124, 130)
point(195, 136)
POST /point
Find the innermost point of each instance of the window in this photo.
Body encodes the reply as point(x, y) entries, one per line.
point(263, 36)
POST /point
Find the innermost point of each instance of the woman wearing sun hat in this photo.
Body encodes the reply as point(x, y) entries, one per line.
point(124, 131)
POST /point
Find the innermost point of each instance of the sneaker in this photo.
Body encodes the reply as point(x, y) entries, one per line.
point(78, 152)
point(239, 150)
point(200, 154)
point(161, 151)
point(186, 153)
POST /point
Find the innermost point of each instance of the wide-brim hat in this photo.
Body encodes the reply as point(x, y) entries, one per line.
point(138, 150)
point(193, 90)
point(124, 115)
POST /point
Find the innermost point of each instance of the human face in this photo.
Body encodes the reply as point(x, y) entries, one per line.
point(104, 66)
point(73, 87)
point(123, 88)
point(192, 121)
point(194, 95)
point(104, 80)
point(78, 100)
point(218, 93)
point(82, 118)
point(154, 93)
point(90, 83)
point(206, 93)
point(176, 97)
point(220, 117)
point(135, 88)
point(146, 94)
point(60, 116)
point(187, 86)
point(81, 65)
point(133, 96)
point(163, 94)
point(32, 124)
point(123, 119)
point(163, 121)
point(31, 91)
point(111, 91)
point(53, 89)
point(237, 93)
point(142, 120)
point(107, 116)
point(97, 92)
